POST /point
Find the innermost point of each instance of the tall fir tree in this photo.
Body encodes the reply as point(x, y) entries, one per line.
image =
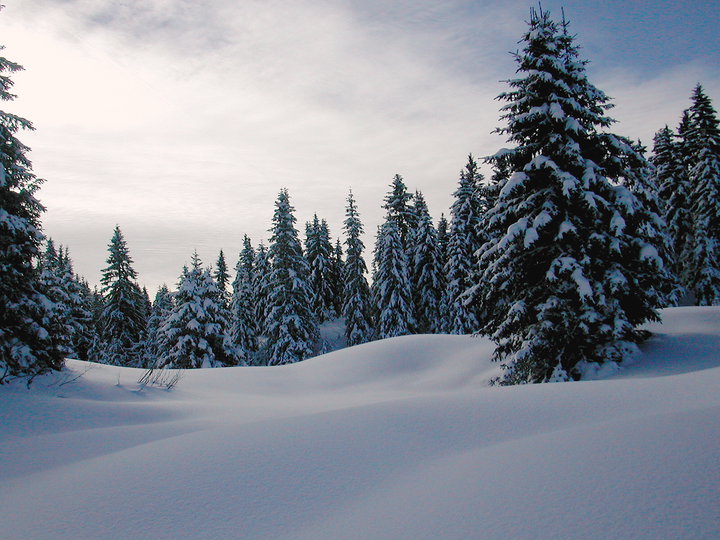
point(54, 287)
point(357, 301)
point(337, 265)
point(561, 277)
point(319, 255)
point(291, 326)
point(160, 311)
point(123, 317)
point(81, 317)
point(27, 348)
point(398, 203)
point(244, 321)
point(391, 288)
point(702, 145)
point(443, 238)
point(464, 241)
point(674, 192)
point(261, 287)
point(194, 335)
point(426, 271)
point(222, 278)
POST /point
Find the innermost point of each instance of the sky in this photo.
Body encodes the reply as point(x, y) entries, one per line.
point(181, 120)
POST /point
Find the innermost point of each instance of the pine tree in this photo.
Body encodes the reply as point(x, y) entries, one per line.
point(399, 208)
point(161, 309)
point(561, 276)
point(426, 272)
point(337, 265)
point(318, 252)
point(356, 292)
point(702, 144)
point(443, 238)
point(391, 288)
point(78, 294)
point(292, 330)
point(26, 346)
point(222, 278)
point(52, 285)
point(261, 287)
point(465, 239)
point(675, 190)
point(123, 320)
point(194, 335)
point(244, 320)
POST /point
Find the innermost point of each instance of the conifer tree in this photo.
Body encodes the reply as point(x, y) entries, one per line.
point(337, 265)
point(291, 326)
point(26, 345)
point(160, 311)
point(318, 252)
point(356, 296)
point(443, 238)
point(244, 320)
point(561, 276)
point(465, 239)
point(52, 285)
point(222, 278)
point(675, 190)
point(391, 288)
point(426, 272)
point(123, 319)
point(261, 287)
point(399, 208)
point(194, 335)
point(81, 317)
point(702, 144)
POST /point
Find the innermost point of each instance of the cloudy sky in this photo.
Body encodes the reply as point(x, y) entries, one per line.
point(180, 120)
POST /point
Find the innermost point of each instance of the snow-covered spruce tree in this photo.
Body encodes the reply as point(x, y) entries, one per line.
point(160, 311)
point(337, 265)
point(674, 192)
point(222, 278)
point(426, 271)
point(357, 301)
point(391, 288)
point(261, 287)
point(194, 334)
point(52, 285)
point(78, 295)
point(123, 317)
point(560, 275)
point(26, 346)
point(702, 144)
point(318, 252)
point(443, 236)
point(244, 324)
point(291, 326)
point(464, 241)
point(398, 203)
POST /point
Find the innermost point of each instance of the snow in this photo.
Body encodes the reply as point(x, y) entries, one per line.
point(400, 438)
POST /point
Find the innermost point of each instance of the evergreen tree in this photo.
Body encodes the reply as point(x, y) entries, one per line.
point(122, 322)
point(399, 208)
point(443, 238)
point(261, 287)
point(291, 326)
point(391, 287)
point(194, 335)
point(81, 317)
point(222, 278)
point(426, 272)
point(161, 309)
point(244, 325)
point(52, 285)
point(357, 300)
point(702, 144)
point(318, 251)
point(27, 348)
point(465, 239)
point(337, 265)
point(561, 277)
point(675, 190)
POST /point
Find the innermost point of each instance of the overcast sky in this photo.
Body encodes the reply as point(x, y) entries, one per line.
point(180, 120)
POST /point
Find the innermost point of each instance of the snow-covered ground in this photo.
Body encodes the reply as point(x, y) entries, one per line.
point(394, 439)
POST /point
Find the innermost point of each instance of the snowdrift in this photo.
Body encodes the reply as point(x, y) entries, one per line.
point(394, 439)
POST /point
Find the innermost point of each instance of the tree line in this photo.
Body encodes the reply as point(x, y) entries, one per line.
point(575, 242)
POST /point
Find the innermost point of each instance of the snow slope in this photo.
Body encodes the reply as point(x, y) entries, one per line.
point(399, 439)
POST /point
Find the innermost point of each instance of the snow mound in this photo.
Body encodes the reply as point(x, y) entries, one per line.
point(400, 438)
